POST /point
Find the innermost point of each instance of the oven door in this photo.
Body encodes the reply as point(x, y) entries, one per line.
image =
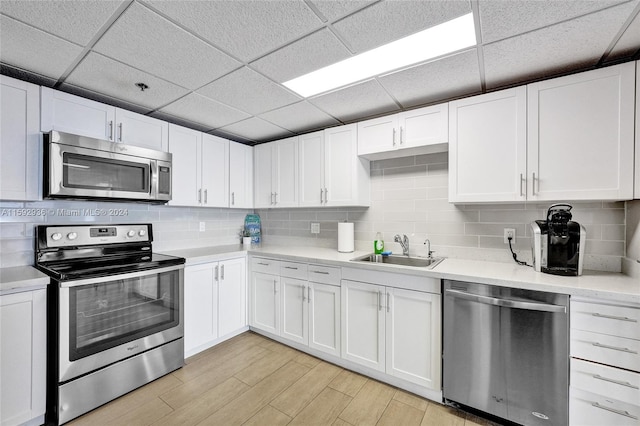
point(76, 172)
point(108, 319)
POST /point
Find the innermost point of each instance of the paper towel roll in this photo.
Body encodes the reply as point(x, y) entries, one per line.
point(345, 237)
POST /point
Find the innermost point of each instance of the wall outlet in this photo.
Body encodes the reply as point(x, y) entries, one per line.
point(202, 227)
point(315, 227)
point(509, 232)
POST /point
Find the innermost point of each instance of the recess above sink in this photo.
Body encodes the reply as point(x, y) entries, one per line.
point(418, 262)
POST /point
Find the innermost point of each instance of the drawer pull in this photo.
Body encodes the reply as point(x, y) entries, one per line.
point(613, 410)
point(614, 317)
point(290, 267)
point(617, 382)
point(615, 348)
point(263, 264)
point(320, 272)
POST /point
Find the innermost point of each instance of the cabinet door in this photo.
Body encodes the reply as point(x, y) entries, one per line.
point(581, 136)
point(424, 126)
point(294, 310)
point(363, 329)
point(185, 145)
point(215, 171)
point(200, 306)
point(240, 176)
point(232, 296)
point(378, 135)
point(22, 357)
point(346, 175)
point(637, 165)
point(324, 318)
point(265, 302)
point(311, 151)
point(413, 337)
point(487, 147)
point(73, 114)
point(285, 173)
point(263, 192)
point(140, 130)
point(20, 145)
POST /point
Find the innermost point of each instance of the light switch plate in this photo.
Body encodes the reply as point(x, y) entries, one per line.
point(315, 227)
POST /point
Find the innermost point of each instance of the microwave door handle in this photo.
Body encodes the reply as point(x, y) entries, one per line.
point(153, 179)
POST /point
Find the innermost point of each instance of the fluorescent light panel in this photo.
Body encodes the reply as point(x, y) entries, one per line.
point(436, 41)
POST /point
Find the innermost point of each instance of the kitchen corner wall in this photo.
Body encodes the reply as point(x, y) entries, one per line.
point(173, 227)
point(409, 196)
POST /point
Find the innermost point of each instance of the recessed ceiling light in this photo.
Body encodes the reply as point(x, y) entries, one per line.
point(442, 39)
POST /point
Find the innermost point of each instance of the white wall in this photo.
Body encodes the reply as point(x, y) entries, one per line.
point(173, 227)
point(409, 196)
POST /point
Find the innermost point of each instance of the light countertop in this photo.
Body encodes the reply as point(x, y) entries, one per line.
point(21, 278)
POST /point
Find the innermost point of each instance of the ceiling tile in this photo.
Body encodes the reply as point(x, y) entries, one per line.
point(200, 109)
point(76, 21)
point(435, 81)
point(575, 44)
point(102, 98)
point(300, 117)
point(500, 19)
point(391, 20)
point(179, 121)
point(248, 91)
point(256, 129)
point(361, 100)
point(112, 78)
point(629, 43)
point(308, 54)
point(145, 40)
point(245, 29)
point(335, 9)
point(25, 47)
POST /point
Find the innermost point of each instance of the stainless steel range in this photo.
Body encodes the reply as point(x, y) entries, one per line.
point(115, 314)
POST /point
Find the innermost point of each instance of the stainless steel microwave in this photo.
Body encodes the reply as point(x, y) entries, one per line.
point(79, 167)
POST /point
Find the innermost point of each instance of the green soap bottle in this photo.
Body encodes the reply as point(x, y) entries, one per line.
point(378, 244)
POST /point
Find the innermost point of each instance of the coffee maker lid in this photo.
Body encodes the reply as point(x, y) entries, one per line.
point(559, 212)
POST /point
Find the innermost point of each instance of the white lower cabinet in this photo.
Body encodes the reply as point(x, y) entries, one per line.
point(324, 317)
point(265, 302)
point(295, 310)
point(22, 357)
point(215, 300)
point(392, 330)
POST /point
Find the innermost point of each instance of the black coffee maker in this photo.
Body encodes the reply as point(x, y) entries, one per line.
point(558, 242)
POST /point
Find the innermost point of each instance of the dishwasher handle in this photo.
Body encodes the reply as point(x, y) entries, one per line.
point(506, 303)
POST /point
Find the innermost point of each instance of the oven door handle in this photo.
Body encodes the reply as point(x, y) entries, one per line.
point(76, 283)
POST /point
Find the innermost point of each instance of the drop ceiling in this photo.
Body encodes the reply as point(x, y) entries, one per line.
point(218, 66)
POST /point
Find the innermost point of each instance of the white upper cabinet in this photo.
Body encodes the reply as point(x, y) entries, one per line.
point(240, 176)
point(312, 169)
point(20, 142)
point(419, 131)
point(72, 114)
point(488, 147)
point(200, 168)
point(346, 176)
point(581, 136)
point(637, 167)
point(276, 174)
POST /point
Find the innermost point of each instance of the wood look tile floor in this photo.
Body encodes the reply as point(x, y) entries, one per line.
point(252, 380)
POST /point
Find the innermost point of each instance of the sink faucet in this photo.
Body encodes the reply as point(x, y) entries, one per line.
point(404, 242)
point(428, 244)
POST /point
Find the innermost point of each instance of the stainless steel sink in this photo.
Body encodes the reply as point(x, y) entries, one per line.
point(418, 262)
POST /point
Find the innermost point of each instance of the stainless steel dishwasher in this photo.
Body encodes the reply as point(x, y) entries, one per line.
point(506, 352)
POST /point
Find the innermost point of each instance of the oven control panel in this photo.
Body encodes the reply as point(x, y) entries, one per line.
point(65, 236)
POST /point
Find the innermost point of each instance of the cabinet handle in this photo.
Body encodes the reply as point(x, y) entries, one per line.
point(222, 272)
point(233, 198)
point(111, 130)
point(400, 135)
point(393, 138)
point(614, 317)
point(522, 179)
point(613, 410)
point(205, 195)
point(120, 128)
point(290, 267)
point(379, 301)
point(320, 272)
point(309, 294)
point(615, 348)
point(388, 307)
point(200, 195)
point(216, 273)
point(275, 287)
point(304, 297)
point(263, 264)
point(617, 382)
point(533, 184)
point(326, 195)
point(275, 198)
point(321, 191)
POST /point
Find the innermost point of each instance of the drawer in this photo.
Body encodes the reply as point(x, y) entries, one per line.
point(325, 274)
point(605, 349)
point(621, 385)
point(264, 265)
point(293, 270)
point(621, 321)
point(589, 409)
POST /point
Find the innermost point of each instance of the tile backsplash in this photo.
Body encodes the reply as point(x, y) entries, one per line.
point(173, 227)
point(409, 196)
